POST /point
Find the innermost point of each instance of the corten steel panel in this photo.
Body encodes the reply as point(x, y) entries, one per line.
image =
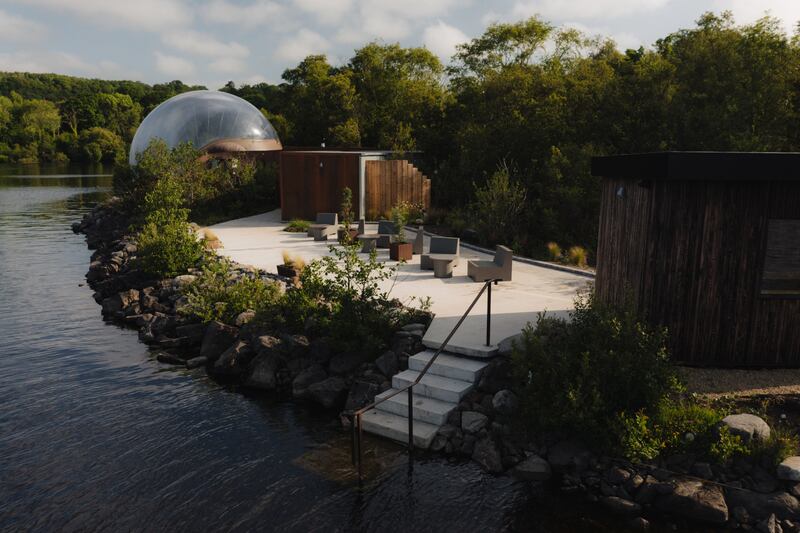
point(692, 254)
point(312, 183)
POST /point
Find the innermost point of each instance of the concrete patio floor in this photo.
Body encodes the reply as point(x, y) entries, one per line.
point(260, 241)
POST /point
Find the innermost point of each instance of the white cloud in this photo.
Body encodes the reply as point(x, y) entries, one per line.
point(326, 11)
point(14, 28)
point(149, 15)
point(228, 65)
point(409, 9)
point(441, 39)
point(204, 44)
point(305, 42)
point(256, 13)
point(173, 66)
point(746, 11)
point(583, 9)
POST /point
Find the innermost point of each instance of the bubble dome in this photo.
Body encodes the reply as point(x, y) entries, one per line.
point(213, 121)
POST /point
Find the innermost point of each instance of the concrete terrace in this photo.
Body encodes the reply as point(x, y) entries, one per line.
point(259, 241)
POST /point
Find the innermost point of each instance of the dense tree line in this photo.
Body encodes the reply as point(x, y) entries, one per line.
point(535, 100)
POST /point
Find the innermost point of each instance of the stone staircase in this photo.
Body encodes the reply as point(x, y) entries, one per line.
point(448, 380)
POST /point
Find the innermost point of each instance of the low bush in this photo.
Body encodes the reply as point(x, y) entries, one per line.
point(215, 295)
point(498, 205)
point(578, 256)
point(556, 254)
point(576, 376)
point(298, 226)
point(167, 244)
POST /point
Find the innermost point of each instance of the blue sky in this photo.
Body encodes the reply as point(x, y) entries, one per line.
point(212, 41)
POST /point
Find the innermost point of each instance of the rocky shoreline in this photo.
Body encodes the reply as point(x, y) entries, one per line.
point(678, 490)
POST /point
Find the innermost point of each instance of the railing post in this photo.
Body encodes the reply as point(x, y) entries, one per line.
point(353, 438)
point(410, 422)
point(489, 314)
point(359, 448)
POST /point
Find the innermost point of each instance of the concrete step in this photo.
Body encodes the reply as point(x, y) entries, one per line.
point(449, 366)
point(432, 386)
point(472, 350)
point(427, 410)
point(395, 427)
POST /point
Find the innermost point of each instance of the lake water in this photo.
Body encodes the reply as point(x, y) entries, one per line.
point(96, 435)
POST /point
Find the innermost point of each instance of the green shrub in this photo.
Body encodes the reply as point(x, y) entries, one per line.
point(215, 296)
point(577, 376)
point(298, 226)
point(781, 444)
point(498, 205)
point(167, 244)
point(556, 254)
point(578, 256)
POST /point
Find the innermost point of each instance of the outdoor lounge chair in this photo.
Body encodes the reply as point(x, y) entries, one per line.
point(499, 269)
point(441, 248)
point(327, 224)
point(385, 233)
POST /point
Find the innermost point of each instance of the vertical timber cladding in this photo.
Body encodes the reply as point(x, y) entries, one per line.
point(312, 182)
point(388, 182)
point(708, 251)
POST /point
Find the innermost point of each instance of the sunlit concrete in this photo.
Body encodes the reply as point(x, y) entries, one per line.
point(260, 241)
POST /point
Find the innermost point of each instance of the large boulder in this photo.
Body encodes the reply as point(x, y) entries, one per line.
point(781, 504)
point(472, 421)
point(263, 371)
point(120, 301)
point(747, 427)
point(329, 392)
point(486, 454)
point(345, 364)
point(506, 346)
point(568, 455)
point(505, 402)
point(235, 360)
point(621, 506)
point(193, 333)
point(789, 469)
point(695, 500)
point(361, 393)
point(388, 364)
point(306, 378)
point(217, 338)
point(534, 468)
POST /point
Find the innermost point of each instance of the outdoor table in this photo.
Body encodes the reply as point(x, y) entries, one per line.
point(442, 267)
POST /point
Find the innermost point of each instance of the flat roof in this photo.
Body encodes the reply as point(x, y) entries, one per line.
point(740, 166)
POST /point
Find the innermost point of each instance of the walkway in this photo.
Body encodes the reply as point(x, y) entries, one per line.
point(260, 241)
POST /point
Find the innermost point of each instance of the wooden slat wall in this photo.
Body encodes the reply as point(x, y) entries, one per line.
point(693, 254)
point(308, 189)
point(389, 182)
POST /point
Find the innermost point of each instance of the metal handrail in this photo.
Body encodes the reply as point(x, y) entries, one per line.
point(355, 417)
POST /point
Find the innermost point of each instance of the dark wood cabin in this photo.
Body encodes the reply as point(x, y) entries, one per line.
point(708, 245)
point(311, 182)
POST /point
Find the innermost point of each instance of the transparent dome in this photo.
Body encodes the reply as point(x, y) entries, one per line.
point(211, 120)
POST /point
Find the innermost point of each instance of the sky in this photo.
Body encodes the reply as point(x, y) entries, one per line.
point(209, 42)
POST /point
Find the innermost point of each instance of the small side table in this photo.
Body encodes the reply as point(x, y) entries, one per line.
point(442, 268)
point(368, 242)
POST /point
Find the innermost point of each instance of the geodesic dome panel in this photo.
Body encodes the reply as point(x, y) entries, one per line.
point(209, 120)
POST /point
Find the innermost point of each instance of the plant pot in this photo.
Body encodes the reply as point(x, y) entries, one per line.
point(341, 232)
point(400, 251)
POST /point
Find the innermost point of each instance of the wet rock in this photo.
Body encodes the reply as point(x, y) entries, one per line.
point(361, 393)
point(621, 506)
point(695, 500)
point(329, 392)
point(789, 469)
point(472, 421)
point(534, 468)
point(244, 317)
point(169, 359)
point(192, 332)
point(218, 337)
point(388, 364)
point(120, 301)
point(196, 362)
point(235, 360)
point(306, 378)
point(487, 456)
point(747, 426)
point(505, 402)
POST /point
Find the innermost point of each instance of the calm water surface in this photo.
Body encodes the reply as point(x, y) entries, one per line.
point(96, 435)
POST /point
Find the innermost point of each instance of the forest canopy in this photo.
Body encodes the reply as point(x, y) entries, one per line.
point(535, 100)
